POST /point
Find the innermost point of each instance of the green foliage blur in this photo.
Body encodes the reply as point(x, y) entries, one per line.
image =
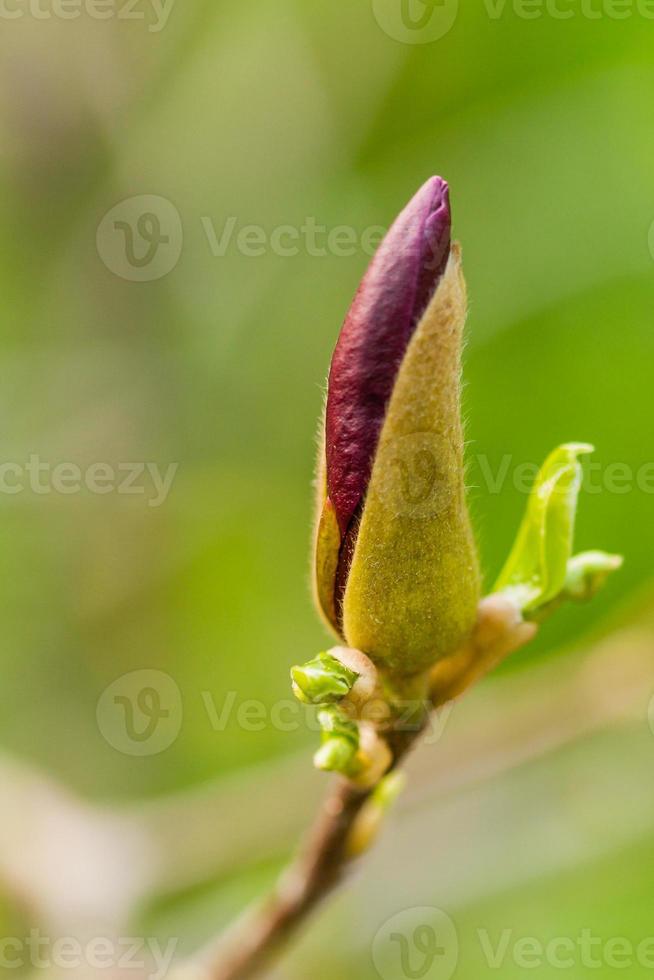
point(272, 113)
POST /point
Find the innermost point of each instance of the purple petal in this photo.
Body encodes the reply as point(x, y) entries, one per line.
point(393, 295)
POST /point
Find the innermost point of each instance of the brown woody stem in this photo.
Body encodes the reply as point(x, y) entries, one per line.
point(322, 864)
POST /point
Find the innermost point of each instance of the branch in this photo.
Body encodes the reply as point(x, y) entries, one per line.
point(327, 854)
point(316, 872)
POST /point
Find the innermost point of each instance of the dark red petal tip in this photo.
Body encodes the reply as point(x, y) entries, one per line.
point(393, 295)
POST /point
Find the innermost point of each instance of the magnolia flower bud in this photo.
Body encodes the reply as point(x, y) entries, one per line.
point(396, 572)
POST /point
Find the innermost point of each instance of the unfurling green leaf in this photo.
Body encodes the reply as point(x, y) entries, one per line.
point(540, 568)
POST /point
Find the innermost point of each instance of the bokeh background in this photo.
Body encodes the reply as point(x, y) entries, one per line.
point(530, 812)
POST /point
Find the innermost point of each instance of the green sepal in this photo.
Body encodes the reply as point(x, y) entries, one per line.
point(413, 583)
point(536, 570)
point(323, 680)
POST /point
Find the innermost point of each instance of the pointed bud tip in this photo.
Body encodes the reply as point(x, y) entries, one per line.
point(579, 448)
point(588, 573)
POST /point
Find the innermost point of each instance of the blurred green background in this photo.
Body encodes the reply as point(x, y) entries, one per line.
point(532, 813)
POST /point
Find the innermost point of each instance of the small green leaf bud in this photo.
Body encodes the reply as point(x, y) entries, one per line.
point(323, 680)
